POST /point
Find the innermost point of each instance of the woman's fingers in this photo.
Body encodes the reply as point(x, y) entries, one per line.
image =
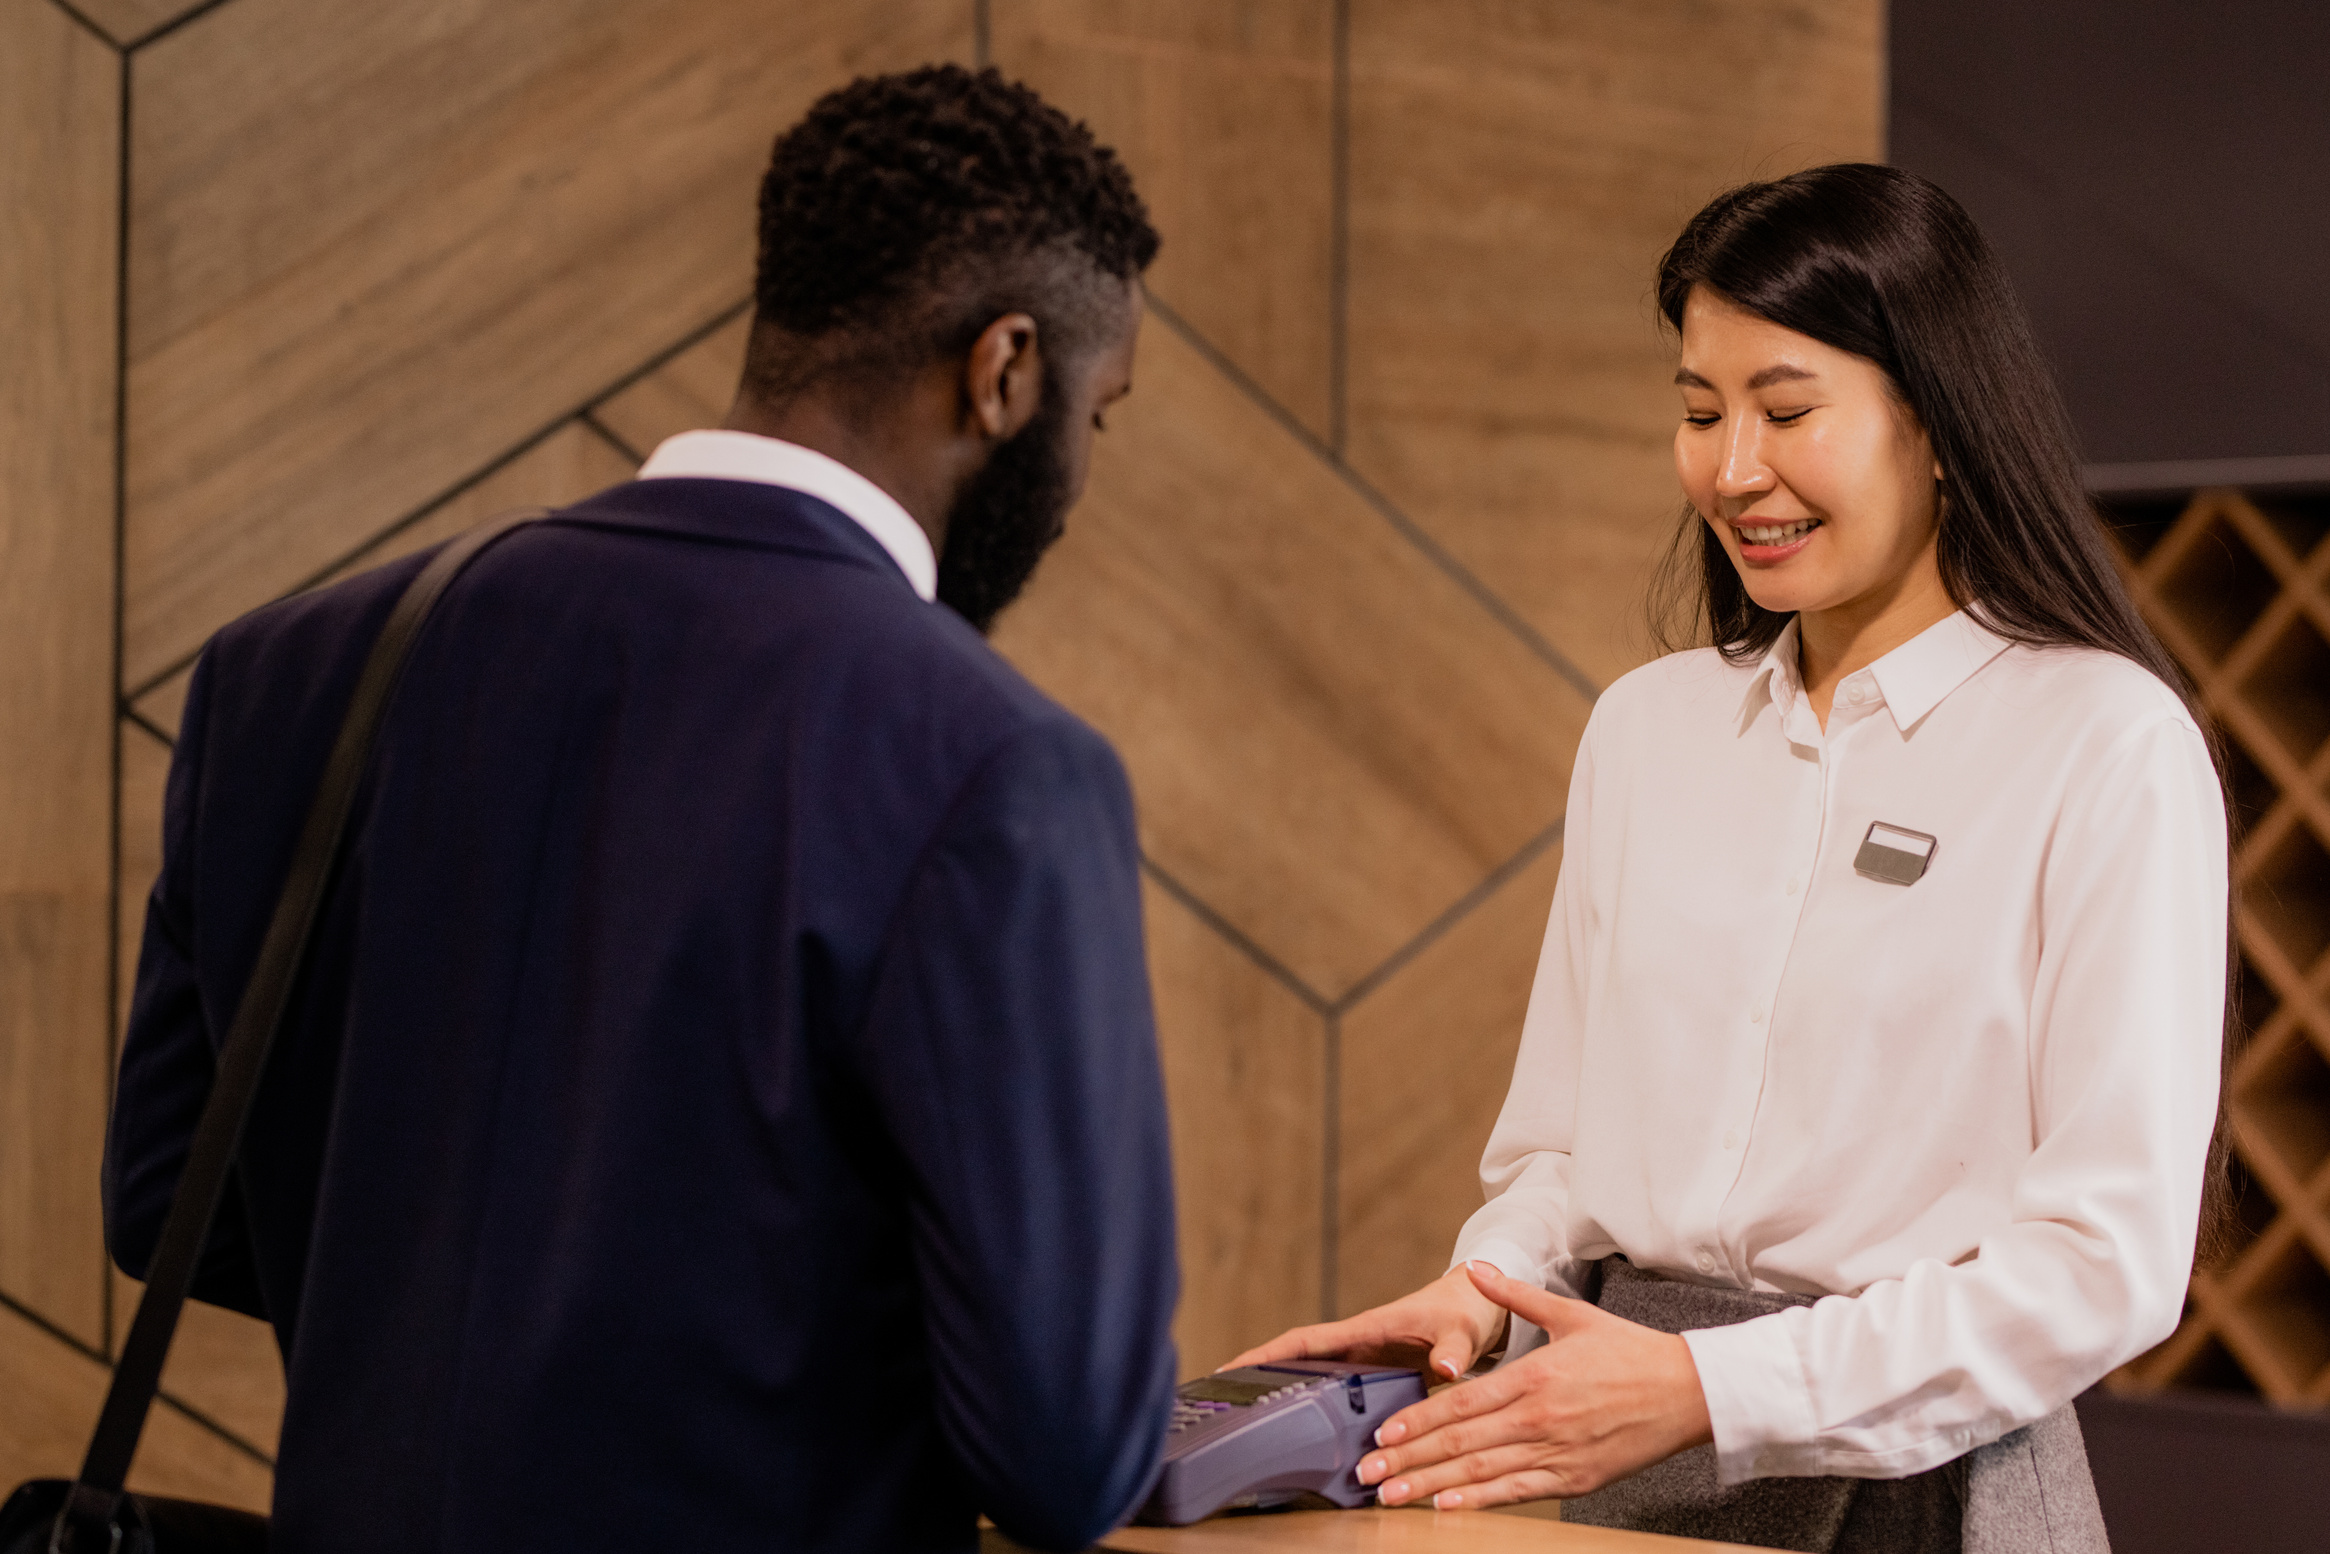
point(1512, 1489)
point(1469, 1470)
point(1465, 1400)
point(1557, 1314)
point(1296, 1343)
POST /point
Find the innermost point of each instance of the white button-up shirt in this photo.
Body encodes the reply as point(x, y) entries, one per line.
point(1972, 1108)
point(727, 455)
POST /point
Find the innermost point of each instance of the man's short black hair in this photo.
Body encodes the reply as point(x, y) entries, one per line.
point(907, 212)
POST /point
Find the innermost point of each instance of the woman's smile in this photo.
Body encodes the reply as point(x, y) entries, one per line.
point(1763, 544)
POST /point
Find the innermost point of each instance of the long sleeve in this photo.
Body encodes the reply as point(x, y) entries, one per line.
point(168, 1059)
point(2127, 1007)
point(1522, 1228)
point(1012, 1050)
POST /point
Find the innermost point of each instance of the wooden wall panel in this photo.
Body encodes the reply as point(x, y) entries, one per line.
point(60, 107)
point(1223, 111)
point(127, 22)
point(566, 466)
point(374, 246)
point(1245, 1075)
point(692, 390)
point(1516, 172)
point(1331, 742)
point(52, 1394)
point(1426, 1061)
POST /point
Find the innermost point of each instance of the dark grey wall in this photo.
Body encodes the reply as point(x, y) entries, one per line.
point(2157, 178)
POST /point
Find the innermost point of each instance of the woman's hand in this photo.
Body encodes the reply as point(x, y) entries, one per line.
point(1603, 1398)
point(1443, 1327)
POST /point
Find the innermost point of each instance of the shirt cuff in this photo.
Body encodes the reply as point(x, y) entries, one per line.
point(1505, 1256)
point(1758, 1399)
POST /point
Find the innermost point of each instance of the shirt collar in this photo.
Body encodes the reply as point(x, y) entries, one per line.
point(729, 455)
point(1914, 678)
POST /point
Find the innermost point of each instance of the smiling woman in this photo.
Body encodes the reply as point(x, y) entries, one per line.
point(1865, 1098)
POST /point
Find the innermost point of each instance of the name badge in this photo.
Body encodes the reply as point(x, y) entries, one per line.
point(1894, 854)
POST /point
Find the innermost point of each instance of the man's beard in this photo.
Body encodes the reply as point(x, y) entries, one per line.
point(1006, 517)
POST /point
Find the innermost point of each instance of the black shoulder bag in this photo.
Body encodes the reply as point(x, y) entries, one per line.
point(95, 1514)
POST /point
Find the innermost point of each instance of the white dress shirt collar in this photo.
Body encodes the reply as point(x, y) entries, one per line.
point(727, 455)
point(1912, 679)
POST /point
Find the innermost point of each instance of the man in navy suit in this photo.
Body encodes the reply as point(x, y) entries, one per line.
point(723, 1111)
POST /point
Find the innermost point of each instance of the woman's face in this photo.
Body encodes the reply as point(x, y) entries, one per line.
point(1819, 483)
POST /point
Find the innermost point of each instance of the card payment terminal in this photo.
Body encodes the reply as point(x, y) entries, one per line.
point(1267, 1435)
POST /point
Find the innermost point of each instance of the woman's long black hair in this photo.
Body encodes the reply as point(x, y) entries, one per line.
point(1884, 264)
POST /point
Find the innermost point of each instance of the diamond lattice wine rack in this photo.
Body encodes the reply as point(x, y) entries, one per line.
point(2239, 589)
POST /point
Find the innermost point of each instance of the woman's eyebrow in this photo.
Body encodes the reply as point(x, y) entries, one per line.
point(1779, 372)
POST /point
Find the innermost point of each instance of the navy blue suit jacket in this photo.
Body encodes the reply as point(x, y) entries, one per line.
point(723, 1111)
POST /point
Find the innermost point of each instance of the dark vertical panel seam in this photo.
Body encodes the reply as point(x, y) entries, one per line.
point(157, 34)
point(1330, 1181)
point(88, 26)
point(1407, 528)
point(1339, 241)
point(982, 34)
point(113, 1031)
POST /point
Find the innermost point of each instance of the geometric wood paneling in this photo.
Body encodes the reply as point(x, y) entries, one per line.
point(1222, 110)
point(372, 246)
point(1425, 1064)
point(1331, 742)
point(60, 115)
point(2239, 590)
point(569, 464)
point(395, 268)
point(1245, 1063)
point(1516, 170)
point(52, 1392)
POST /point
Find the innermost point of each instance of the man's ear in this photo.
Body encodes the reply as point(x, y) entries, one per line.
point(1003, 378)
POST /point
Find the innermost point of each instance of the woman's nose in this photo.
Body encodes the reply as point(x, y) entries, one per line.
point(1741, 470)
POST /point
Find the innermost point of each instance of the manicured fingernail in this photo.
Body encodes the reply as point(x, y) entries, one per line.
point(1447, 1500)
point(1490, 1269)
point(1447, 1368)
point(1394, 1492)
point(1372, 1469)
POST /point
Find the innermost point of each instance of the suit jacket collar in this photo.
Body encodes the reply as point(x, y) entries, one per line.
point(738, 512)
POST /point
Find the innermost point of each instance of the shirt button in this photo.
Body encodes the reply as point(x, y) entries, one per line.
point(1706, 1262)
point(1756, 1015)
point(1730, 1139)
point(1795, 883)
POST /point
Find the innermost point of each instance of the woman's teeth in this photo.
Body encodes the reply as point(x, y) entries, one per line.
point(1777, 533)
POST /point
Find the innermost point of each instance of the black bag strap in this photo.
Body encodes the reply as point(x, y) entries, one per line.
point(138, 1374)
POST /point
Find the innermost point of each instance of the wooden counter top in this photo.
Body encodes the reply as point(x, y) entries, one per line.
point(1387, 1532)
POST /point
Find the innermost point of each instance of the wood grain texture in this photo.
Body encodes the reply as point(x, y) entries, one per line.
point(1245, 1077)
point(691, 390)
point(60, 110)
point(1223, 112)
point(128, 21)
point(1426, 1060)
point(571, 463)
point(1332, 743)
point(1516, 172)
point(52, 1394)
point(1405, 1531)
point(374, 247)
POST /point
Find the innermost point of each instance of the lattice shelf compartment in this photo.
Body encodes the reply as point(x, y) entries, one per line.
point(2239, 590)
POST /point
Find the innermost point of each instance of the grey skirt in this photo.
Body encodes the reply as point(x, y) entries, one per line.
point(2025, 1493)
